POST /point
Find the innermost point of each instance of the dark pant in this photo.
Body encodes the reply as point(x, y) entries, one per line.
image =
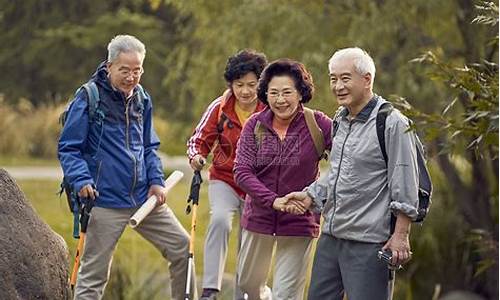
point(344, 265)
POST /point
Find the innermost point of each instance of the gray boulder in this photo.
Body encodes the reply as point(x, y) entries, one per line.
point(33, 258)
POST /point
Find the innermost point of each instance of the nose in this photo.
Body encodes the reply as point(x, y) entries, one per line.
point(246, 90)
point(280, 98)
point(338, 85)
point(129, 77)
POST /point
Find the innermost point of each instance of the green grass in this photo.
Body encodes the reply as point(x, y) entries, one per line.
point(139, 271)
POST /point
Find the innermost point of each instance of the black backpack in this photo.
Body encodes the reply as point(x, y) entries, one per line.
point(96, 115)
point(424, 180)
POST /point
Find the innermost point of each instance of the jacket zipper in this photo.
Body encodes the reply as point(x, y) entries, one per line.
point(98, 175)
point(127, 103)
point(337, 179)
point(277, 193)
point(275, 213)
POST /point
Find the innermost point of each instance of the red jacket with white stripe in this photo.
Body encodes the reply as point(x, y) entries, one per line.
point(219, 131)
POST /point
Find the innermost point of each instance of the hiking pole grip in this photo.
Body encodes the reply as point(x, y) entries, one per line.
point(150, 204)
point(84, 221)
point(193, 198)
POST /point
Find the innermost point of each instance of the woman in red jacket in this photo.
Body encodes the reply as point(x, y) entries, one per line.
point(218, 131)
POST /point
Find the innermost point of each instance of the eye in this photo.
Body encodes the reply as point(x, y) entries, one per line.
point(287, 93)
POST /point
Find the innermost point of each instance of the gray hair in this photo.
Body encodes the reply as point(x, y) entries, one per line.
point(123, 44)
point(363, 63)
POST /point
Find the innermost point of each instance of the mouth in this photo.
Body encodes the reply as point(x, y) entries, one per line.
point(282, 109)
point(342, 96)
point(247, 98)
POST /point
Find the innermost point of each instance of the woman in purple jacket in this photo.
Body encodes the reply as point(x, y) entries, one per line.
point(276, 155)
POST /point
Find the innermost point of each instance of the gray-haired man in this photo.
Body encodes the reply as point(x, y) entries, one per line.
point(360, 190)
point(112, 149)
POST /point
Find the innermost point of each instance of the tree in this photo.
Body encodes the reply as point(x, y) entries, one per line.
point(465, 136)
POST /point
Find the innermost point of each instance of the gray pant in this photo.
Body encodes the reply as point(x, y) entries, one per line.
point(350, 266)
point(293, 255)
point(161, 228)
point(224, 203)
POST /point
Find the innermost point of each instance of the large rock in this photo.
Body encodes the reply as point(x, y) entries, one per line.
point(33, 258)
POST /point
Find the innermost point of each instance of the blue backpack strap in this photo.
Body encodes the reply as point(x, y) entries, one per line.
point(95, 113)
point(76, 219)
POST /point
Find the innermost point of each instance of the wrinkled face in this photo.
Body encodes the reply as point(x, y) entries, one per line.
point(349, 87)
point(283, 97)
point(245, 88)
point(125, 71)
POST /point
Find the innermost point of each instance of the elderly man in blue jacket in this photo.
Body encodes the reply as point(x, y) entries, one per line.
point(108, 154)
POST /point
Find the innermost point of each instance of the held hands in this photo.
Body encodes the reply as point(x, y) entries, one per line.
point(197, 162)
point(296, 203)
point(159, 192)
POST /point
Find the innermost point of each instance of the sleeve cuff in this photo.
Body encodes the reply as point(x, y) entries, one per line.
point(399, 207)
point(157, 181)
point(79, 185)
point(317, 205)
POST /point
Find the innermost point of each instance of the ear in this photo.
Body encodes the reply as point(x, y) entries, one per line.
point(368, 79)
point(108, 66)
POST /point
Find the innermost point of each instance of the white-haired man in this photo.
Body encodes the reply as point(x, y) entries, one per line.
point(110, 146)
point(361, 190)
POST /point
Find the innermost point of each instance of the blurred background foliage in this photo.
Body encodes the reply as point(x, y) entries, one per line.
point(437, 60)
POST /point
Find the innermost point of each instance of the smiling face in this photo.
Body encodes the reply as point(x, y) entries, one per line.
point(245, 89)
point(351, 89)
point(283, 97)
point(125, 71)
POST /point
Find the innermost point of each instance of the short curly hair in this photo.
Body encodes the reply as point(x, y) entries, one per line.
point(244, 62)
point(287, 67)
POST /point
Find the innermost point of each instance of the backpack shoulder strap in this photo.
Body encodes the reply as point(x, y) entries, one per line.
point(221, 119)
point(384, 110)
point(93, 98)
point(259, 132)
point(315, 131)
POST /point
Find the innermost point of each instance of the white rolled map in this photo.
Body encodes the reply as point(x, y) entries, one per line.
point(150, 204)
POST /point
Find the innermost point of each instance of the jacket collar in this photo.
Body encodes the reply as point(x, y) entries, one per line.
point(365, 113)
point(227, 105)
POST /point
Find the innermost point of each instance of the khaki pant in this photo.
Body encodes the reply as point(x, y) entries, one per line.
point(293, 255)
point(161, 228)
point(224, 204)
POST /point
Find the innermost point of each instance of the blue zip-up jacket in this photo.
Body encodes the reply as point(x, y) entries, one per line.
point(118, 157)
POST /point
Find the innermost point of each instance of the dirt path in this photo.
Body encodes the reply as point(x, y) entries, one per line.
point(55, 172)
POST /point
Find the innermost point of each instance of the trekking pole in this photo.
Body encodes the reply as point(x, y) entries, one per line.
point(84, 221)
point(194, 196)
